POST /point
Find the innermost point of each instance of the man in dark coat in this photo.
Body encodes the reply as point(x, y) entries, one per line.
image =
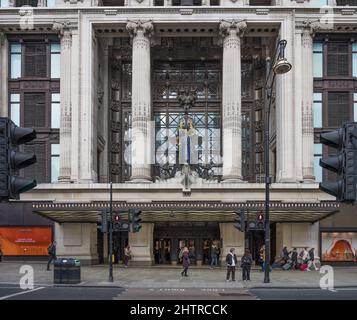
point(231, 260)
point(51, 254)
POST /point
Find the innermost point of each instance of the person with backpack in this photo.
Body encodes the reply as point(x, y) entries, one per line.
point(231, 260)
point(246, 264)
point(51, 254)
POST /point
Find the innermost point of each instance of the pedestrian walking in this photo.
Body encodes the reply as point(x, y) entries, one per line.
point(311, 260)
point(246, 264)
point(214, 256)
point(185, 261)
point(261, 260)
point(127, 255)
point(1, 254)
point(51, 254)
point(231, 260)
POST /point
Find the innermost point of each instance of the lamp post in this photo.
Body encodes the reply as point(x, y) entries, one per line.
point(280, 66)
point(111, 234)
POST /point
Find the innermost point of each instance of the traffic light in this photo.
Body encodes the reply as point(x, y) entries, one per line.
point(260, 221)
point(257, 223)
point(12, 160)
point(119, 224)
point(135, 219)
point(239, 221)
point(344, 162)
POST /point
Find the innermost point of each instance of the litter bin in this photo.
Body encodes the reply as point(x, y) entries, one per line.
point(67, 271)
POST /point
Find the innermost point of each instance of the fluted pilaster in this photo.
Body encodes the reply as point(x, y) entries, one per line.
point(65, 34)
point(307, 101)
point(231, 100)
point(141, 100)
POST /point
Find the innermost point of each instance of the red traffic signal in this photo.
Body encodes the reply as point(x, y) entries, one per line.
point(260, 216)
point(116, 217)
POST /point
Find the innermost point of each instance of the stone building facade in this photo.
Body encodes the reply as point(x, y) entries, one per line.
point(102, 81)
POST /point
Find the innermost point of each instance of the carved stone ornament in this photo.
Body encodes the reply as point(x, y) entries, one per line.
point(115, 106)
point(134, 26)
point(316, 25)
point(225, 27)
point(116, 126)
point(61, 26)
point(100, 95)
point(187, 98)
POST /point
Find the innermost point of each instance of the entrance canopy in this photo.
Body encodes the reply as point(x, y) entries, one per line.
point(187, 210)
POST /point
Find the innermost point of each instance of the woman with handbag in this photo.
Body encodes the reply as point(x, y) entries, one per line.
point(185, 261)
point(127, 255)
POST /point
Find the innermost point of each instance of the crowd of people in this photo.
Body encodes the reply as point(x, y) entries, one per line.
point(293, 260)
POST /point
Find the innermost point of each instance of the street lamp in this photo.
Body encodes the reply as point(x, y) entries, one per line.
point(280, 66)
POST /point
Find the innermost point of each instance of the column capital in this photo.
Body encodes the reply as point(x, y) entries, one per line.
point(227, 27)
point(134, 27)
point(311, 26)
point(64, 29)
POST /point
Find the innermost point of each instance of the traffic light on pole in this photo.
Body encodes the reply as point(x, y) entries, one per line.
point(239, 221)
point(344, 162)
point(260, 221)
point(12, 160)
point(135, 219)
point(118, 223)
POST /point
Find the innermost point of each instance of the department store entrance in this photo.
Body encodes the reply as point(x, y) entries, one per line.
point(169, 237)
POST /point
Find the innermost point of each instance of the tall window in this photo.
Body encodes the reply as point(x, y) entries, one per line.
point(55, 60)
point(168, 81)
point(4, 3)
point(354, 59)
point(346, 2)
point(20, 3)
point(34, 99)
point(51, 3)
point(355, 107)
point(318, 59)
point(317, 110)
point(337, 59)
point(55, 111)
point(317, 157)
point(55, 162)
point(335, 65)
point(338, 108)
point(15, 57)
point(15, 108)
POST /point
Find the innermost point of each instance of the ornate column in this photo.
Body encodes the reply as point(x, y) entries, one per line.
point(141, 100)
point(307, 102)
point(65, 97)
point(231, 100)
point(285, 117)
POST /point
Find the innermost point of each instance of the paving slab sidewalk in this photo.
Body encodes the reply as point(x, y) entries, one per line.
point(168, 277)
